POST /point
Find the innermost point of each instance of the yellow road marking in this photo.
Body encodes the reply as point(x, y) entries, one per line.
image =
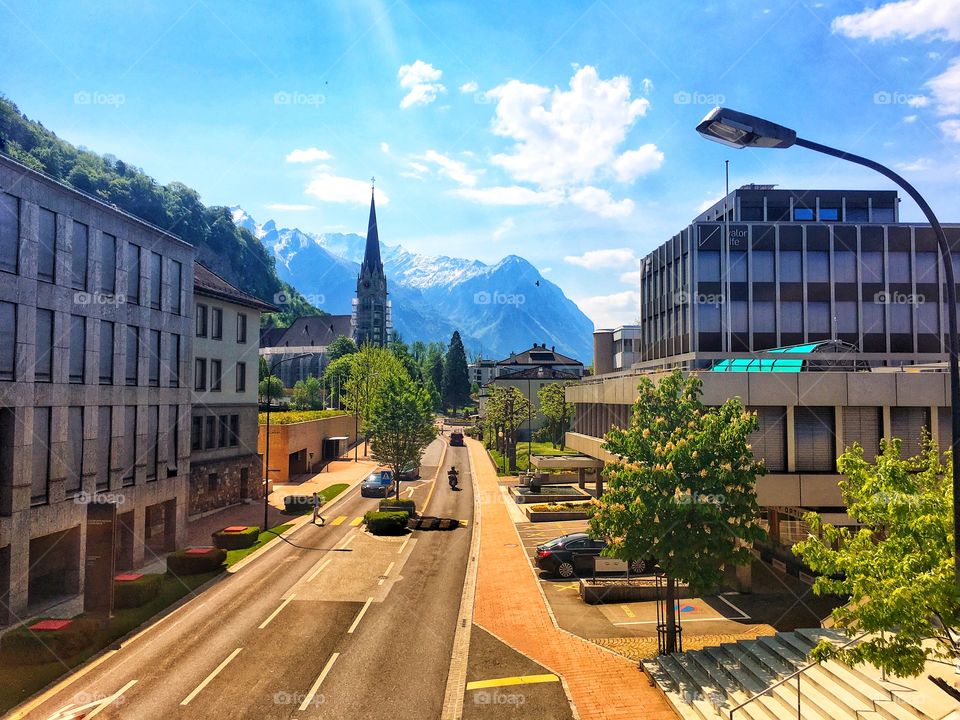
point(568, 586)
point(356, 521)
point(516, 680)
point(338, 520)
point(627, 611)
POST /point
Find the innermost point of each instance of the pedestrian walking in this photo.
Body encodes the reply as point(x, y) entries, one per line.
point(316, 510)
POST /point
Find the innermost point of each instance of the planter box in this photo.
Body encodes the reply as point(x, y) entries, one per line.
point(597, 592)
point(535, 516)
point(546, 496)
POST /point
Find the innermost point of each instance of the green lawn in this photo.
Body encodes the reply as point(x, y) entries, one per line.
point(285, 417)
point(523, 460)
point(235, 556)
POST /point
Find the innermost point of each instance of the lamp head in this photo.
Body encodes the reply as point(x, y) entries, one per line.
point(740, 130)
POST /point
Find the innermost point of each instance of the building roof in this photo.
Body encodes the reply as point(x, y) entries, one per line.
point(538, 373)
point(795, 359)
point(371, 254)
point(310, 330)
point(538, 355)
point(209, 284)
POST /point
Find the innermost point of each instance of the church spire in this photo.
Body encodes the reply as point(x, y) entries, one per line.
point(371, 255)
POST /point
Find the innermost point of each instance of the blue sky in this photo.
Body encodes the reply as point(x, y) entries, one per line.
point(561, 131)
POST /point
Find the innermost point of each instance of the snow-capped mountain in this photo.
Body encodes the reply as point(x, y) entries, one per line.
point(497, 308)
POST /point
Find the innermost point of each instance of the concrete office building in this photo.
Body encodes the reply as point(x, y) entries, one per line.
point(616, 349)
point(224, 465)
point(95, 321)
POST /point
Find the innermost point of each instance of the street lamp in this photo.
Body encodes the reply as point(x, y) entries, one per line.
point(740, 130)
point(266, 452)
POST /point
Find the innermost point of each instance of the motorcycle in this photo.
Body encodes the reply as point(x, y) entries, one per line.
point(453, 478)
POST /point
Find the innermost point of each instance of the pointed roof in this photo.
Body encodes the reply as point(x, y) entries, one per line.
point(371, 255)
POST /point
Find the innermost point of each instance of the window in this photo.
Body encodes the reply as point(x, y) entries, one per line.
point(176, 286)
point(43, 363)
point(196, 433)
point(856, 214)
point(47, 246)
point(200, 374)
point(845, 266)
point(153, 440)
point(212, 482)
point(216, 375)
point(81, 247)
point(846, 313)
point(814, 435)
point(708, 266)
point(829, 214)
point(764, 317)
point(927, 267)
point(8, 339)
point(132, 263)
point(862, 425)
point(901, 318)
point(790, 267)
point(818, 318)
point(818, 266)
point(873, 317)
point(737, 268)
point(927, 318)
point(216, 322)
point(234, 430)
point(173, 455)
point(871, 266)
point(224, 430)
point(106, 352)
point(133, 355)
point(154, 375)
point(74, 475)
point(78, 347)
point(801, 214)
point(129, 445)
point(9, 232)
point(174, 360)
point(769, 440)
point(738, 316)
point(763, 266)
point(40, 475)
point(108, 263)
point(882, 215)
point(899, 267)
point(791, 317)
point(241, 377)
point(104, 440)
point(156, 279)
point(908, 424)
point(241, 328)
point(201, 320)
point(210, 439)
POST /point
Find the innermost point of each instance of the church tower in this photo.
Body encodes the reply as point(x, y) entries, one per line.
point(371, 309)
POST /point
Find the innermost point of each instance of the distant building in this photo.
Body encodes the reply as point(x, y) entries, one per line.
point(615, 349)
point(224, 467)
point(539, 356)
point(308, 336)
point(371, 319)
point(481, 371)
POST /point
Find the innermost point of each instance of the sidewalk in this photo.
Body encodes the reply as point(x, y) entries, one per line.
point(509, 604)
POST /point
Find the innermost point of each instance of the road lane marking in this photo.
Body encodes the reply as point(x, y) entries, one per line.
point(317, 571)
point(403, 545)
point(73, 712)
point(359, 617)
point(211, 676)
point(276, 612)
point(516, 680)
point(627, 611)
point(356, 521)
point(348, 540)
point(410, 491)
point(337, 520)
point(436, 475)
point(386, 574)
point(316, 685)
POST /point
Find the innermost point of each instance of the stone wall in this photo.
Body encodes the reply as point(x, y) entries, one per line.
point(228, 487)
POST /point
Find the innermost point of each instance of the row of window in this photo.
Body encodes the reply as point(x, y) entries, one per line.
point(103, 417)
point(214, 431)
point(200, 380)
point(80, 255)
point(210, 320)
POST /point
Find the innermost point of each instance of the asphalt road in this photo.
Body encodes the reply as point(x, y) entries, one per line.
point(355, 626)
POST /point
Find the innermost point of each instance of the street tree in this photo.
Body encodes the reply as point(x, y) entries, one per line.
point(264, 369)
point(681, 488)
point(270, 388)
point(434, 362)
point(505, 411)
point(400, 425)
point(340, 347)
point(307, 394)
point(896, 566)
point(370, 367)
point(556, 409)
point(455, 387)
point(335, 377)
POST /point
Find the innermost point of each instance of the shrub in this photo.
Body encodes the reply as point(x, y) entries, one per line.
point(43, 646)
point(182, 563)
point(236, 540)
point(563, 507)
point(134, 593)
point(386, 523)
point(407, 505)
point(298, 504)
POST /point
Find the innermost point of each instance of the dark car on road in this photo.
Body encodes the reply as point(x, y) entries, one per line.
point(411, 471)
point(573, 554)
point(377, 484)
point(456, 438)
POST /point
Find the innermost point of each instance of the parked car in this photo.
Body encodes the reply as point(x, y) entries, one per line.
point(573, 554)
point(378, 484)
point(411, 471)
point(456, 438)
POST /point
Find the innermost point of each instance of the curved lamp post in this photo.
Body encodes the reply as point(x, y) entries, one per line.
point(740, 130)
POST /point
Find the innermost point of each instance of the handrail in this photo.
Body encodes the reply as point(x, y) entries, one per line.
point(794, 674)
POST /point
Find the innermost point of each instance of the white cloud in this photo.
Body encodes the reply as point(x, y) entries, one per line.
point(422, 82)
point(509, 195)
point(419, 167)
point(564, 137)
point(910, 119)
point(503, 228)
point(608, 258)
point(544, 271)
point(951, 130)
point(284, 207)
point(308, 155)
point(634, 163)
point(631, 277)
point(336, 189)
point(945, 88)
point(646, 86)
point(412, 176)
point(917, 165)
point(453, 169)
point(708, 203)
point(609, 311)
point(906, 18)
point(385, 147)
point(469, 87)
point(599, 202)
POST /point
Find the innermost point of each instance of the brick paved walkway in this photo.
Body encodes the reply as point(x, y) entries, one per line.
point(509, 604)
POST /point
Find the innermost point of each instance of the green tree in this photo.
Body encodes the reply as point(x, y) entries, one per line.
point(455, 386)
point(270, 388)
point(369, 369)
point(340, 347)
point(307, 394)
point(335, 377)
point(897, 566)
point(435, 371)
point(400, 424)
point(682, 487)
point(505, 411)
point(556, 409)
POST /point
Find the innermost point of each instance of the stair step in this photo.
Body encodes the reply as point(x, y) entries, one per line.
point(736, 670)
point(688, 693)
point(797, 642)
point(856, 681)
point(765, 656)
point(815, 635)
point(765, 708)
point(782, 649)
point(893, 710)
point(764, 674)
point(836, 691)
point(665, 681)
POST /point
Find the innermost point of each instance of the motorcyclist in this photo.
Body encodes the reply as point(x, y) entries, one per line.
point(453, 477)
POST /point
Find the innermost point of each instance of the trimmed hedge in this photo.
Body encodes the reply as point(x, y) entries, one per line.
point(386, 523)
point(299, 504)
point(236, 540)
point(408, 505)
point(134, 593)
point(180, 563)
point(43, 646)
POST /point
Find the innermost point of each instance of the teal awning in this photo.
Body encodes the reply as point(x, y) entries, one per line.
point(787, 364)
